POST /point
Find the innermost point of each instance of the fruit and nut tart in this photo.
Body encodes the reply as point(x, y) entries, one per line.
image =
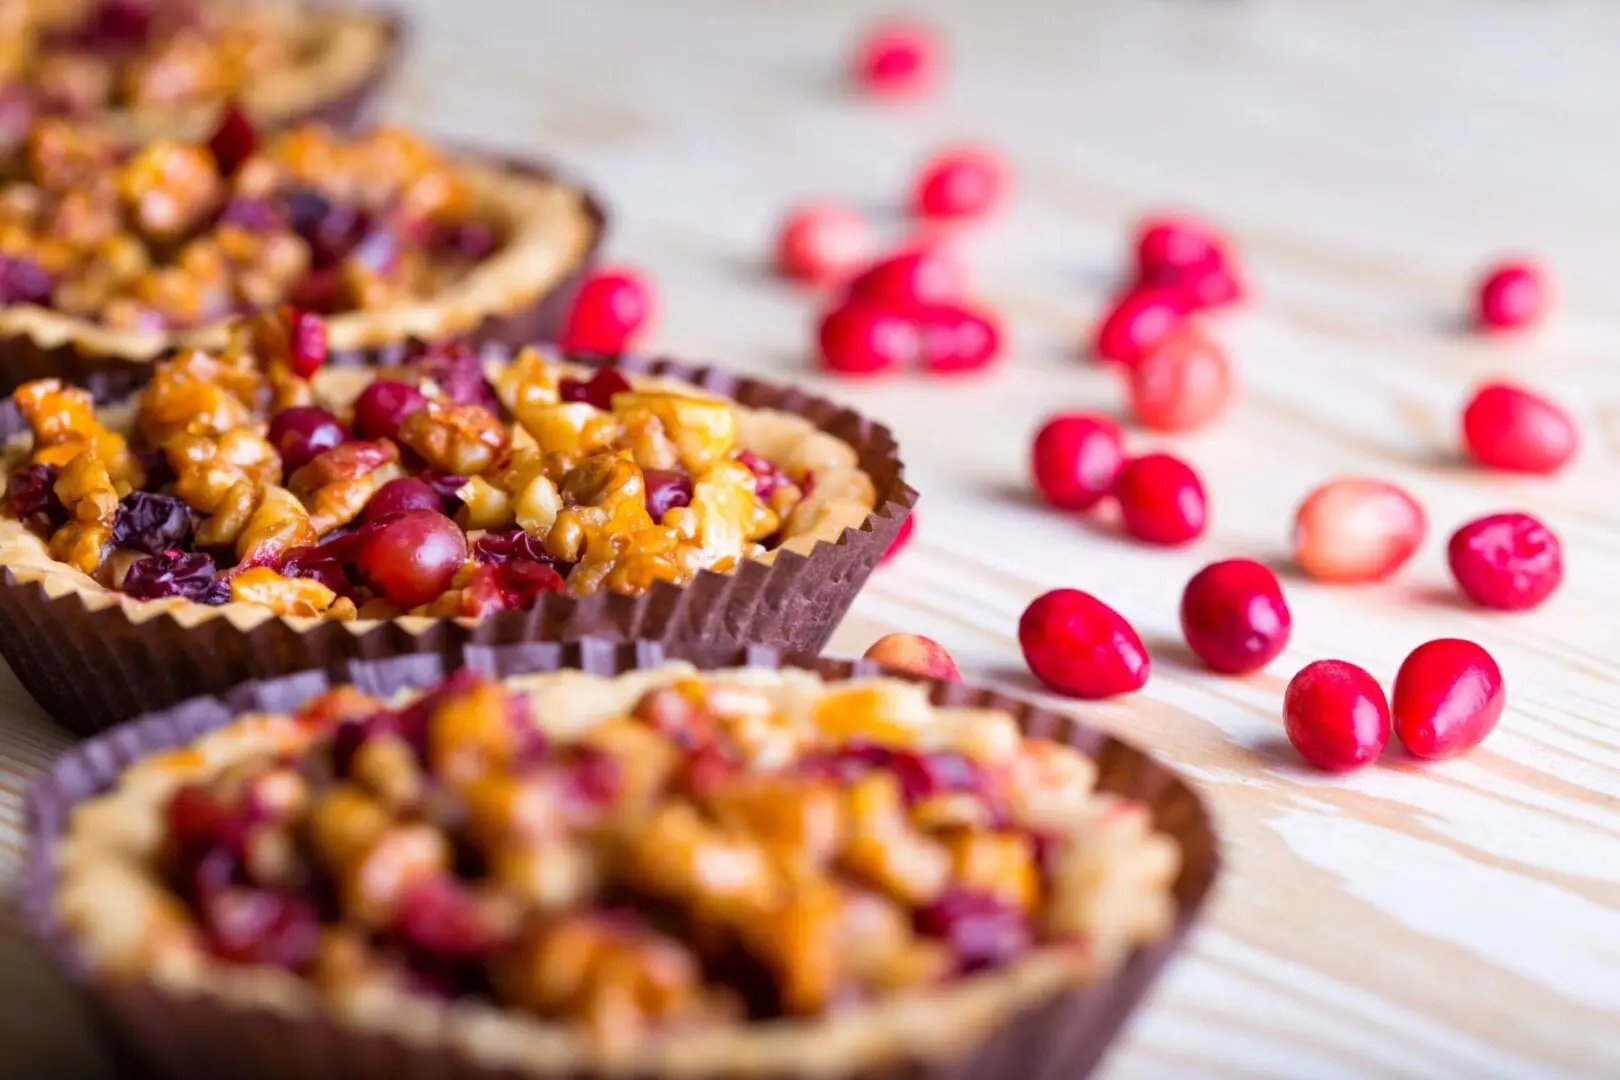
point(125, 250)
point(165, 66)
point(675, 866)
point(444, 486)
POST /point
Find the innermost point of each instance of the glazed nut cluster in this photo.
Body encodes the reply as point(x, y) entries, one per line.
point(175, 235)
point(707, 856)
point(431, 490)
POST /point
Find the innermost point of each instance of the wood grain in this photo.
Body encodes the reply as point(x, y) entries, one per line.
point(1459, 920)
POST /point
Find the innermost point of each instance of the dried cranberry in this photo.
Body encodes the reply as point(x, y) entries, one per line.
point(118, 24)
point(378, 250)
point(24, 281)
point(470, 240)
point(447, 486)
point(319, 291)
point(923, 775)
point(261, 926)
point(410, 559)
point(316, 564)
point(233, 141)
point(510, 586)
point(498, 548)
point(596, 391)
point(152, 523)
point(302, 433)
point(331, 229)
point(442, 918)
point(32, 490)
point(197, 819)
point(667, 489)
point(768, 477)
point(254, 215)
point(982, 930)
point(593, 779)
point(383, 406)
point(455, 368)
point(188, 575)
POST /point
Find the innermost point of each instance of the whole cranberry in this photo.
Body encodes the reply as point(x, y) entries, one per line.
point(822, 242)
point(666, 490)
point(400, 495)
point(961, 183)
point(261, 927)
point(1161, 500)
point(597, 391)
point(1079, 646)
point(916, 277)
point(1137, 324)
point(1182, 384)
point(307, 343)
point(613, 307)
point(1170, 248)
point(956, 339)
point(897, 58)
point(412, 558)
point(1510, 562)
point(902, 537)
point(1336, 716)
point(1075, 459)
point(302, 432)
point(1355, 529)
point(857, 338)
point(982, 930)
point(1511, 296)
point(1448, 697)
point(233, 141)
point(1234, 616)
point(383, 406)
point(1508, 427)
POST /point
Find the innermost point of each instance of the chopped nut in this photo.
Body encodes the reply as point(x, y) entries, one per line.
point(87, 492)
point(170, 186)
point(279, 524)
point(339, 482)
point(296, 597)
point(461, 439)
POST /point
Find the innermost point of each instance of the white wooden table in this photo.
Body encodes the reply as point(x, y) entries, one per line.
point(1453, 921)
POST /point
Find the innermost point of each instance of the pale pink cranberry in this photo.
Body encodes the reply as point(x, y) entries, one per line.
point(954, 339)
point(383, 406)
point(1336, 716)
point(1508, 427)
point(897, 58)
point(1075, 460)
point(822, 242)
point(1234, 616)
point(1512, 295)
point(613, 307)
point(1079, 646)
point(1182, 384)
point(917, 277)
point(1162, 500)
point(1510, 562)
point(902, 537)
point(412, 558)
point(1137, 324)
point(859, 338)
point(961, 183)
point(302, 433)
point(1448, 698)
point(1356, 530)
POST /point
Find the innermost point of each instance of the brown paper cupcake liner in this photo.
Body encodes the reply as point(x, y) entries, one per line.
point(349, 108)
point(22, 358)
point(1060, 1038)
point(92, 667)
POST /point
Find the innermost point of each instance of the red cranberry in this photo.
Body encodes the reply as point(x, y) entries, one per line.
point(411, 559)
point(1513, 429)
point(1161, 500)
point(897, 58)
point(1448, 697)
point(613, 307)
point(509, 586)
point(196, 819)
point(259, 926)
point(1078, 645)
point(1170, 248)
point(1510, 562)
point(307, 338)
point(24, 281)
point(32, 490)
point(914, 278)
point(233, 141)
point(597, 391)
point(1234, 616)
point(303, 432)
point(1356, 530)
point(514, 545)
point(983, 930)
point(442, 918)
point(1182, 384)
point(1336, 716)
point(1076, 458)
point(966, 182)
point(383, 406)
point(188, 575)
point(1512, 296)
point(400, 495)
point(857, 338)
point(822, 243)
point(768, 477)
point(902, 537)
point(591, 781)
point(666, 490)
point(956, 339)
point(1137, 324)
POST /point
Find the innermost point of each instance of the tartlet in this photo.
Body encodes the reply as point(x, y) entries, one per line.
point(165, 68)
point(249, 513)
point(763, 873)
point(113, 254)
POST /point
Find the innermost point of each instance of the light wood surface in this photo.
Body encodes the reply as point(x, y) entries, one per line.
point(1439, 922)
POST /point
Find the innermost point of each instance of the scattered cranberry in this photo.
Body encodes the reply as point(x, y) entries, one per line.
point(1356, 530)
point(666, 490)
point(858, 338)
point(1077, 645)
point(897, 58)
point(1512, 296)
point(965, 182)
point(1076, 458)
point(1448, 697)
point(902, 537)
point(383, 406)
point(1510, 428)
point(956, 339)
point(1182, 384)
point(400, 495)
point(597, 391)
point(983, 930)
point(612, 308)
point(1234, 616)
point(411, 559)
point(1510, 562)
point(917, 277)
point(822, 243)
point(1172, 247)
point(306, 332)
point(1336, 715)
point(233, 141)
point(303, 432)
point(1137, 324)
point(1161, 500)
